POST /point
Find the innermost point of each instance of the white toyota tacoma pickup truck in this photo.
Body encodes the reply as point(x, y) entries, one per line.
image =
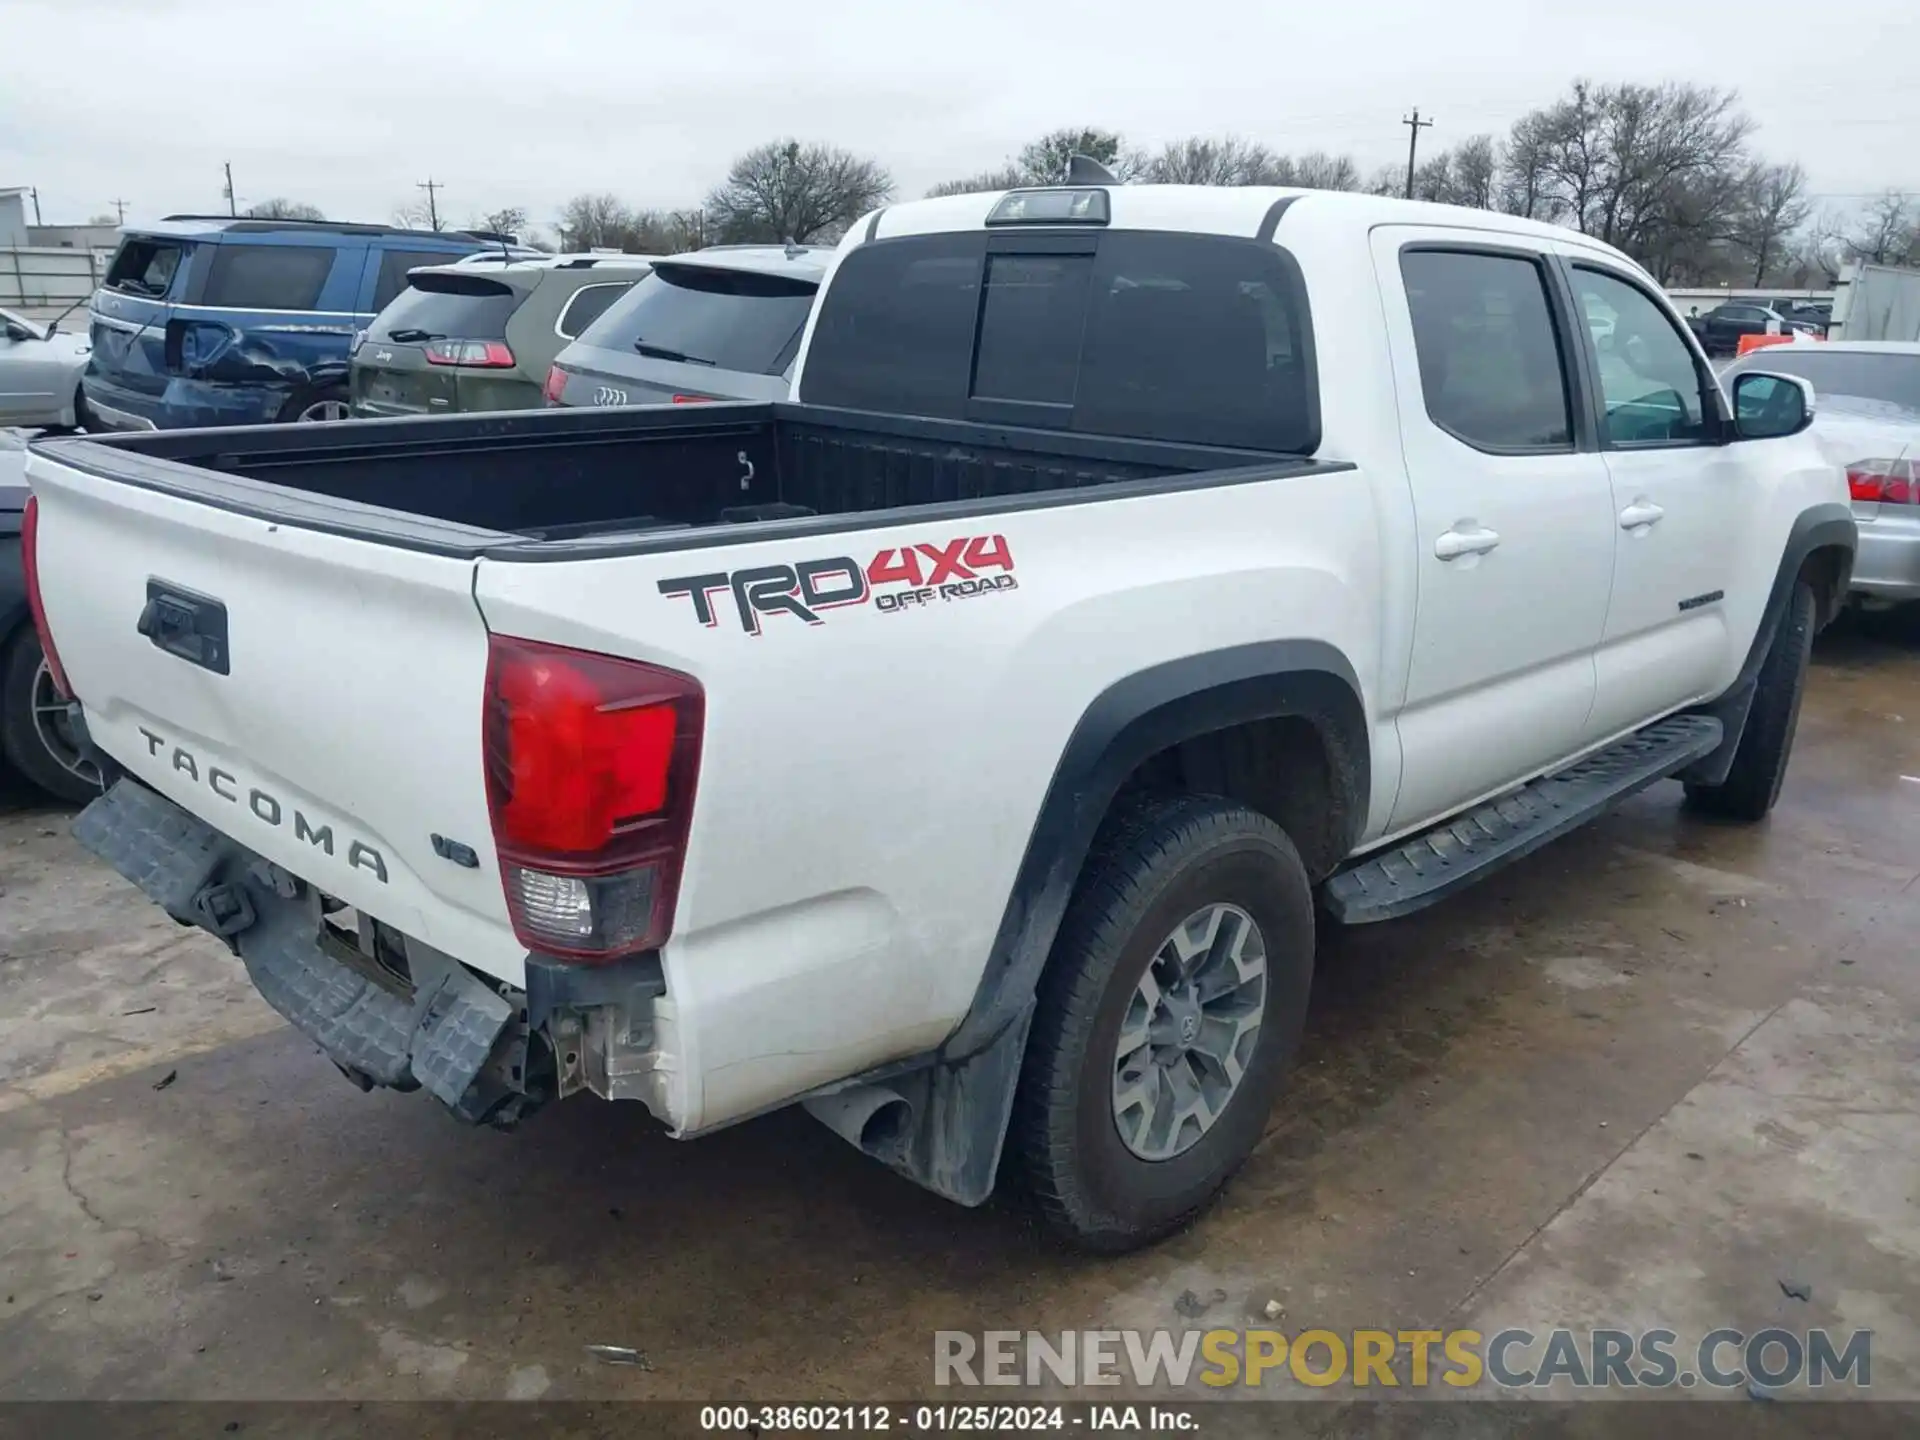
point(968, 749)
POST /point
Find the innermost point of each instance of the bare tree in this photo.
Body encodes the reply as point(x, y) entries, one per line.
point(1317, 170)
point(1044, 160)
point(507, 220)
point(1434, 180)
point(1886, 233)
point(589, 222)
point(1773, 206)
point(1523, 186)
point(280, 208)
point(1228, 160)
point(418, 215)
point(1476, 169)
point(1007, 177)
point(103, 219)
point(784, 190)
point(1620, 161)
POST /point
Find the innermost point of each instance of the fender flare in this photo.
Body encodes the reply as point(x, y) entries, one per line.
point(1131, 720)
point(960, 1097)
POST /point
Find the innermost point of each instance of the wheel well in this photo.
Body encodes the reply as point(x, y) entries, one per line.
point(1827, 570)
point(1280, 766)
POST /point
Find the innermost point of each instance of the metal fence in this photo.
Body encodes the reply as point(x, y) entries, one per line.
point(36, 277)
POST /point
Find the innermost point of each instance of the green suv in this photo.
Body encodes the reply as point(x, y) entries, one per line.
point(475, 336)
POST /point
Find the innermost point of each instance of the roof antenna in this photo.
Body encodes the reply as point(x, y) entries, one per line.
point(1085, 170)
point(794, 251)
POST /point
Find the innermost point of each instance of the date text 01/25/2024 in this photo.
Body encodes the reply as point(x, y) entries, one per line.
point(981, 1419)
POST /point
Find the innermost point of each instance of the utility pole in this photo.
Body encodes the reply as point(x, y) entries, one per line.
point(233, 207)
point(430, 185)
point(34, 191)
point(1413, 143)
point(121, 206)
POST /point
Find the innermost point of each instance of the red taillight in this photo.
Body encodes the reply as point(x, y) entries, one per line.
point(591, 762)
point(693, 399)
point(473, 354)
point(556, 384)
point(30, 564)
point(1887, 482)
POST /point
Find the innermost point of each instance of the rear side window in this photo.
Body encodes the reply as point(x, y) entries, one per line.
point(587, 305)
point(448, 306)
point(267, 277)
point(394, 265)
point(1187, 338)
point(729, 319)
point(145, 267)
point(1490, 359)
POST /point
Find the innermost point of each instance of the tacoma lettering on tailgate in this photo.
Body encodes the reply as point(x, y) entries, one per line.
point(901, 577)
point(264, 806)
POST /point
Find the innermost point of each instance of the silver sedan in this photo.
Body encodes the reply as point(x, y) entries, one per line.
point(1867, 421)
point(40, 367)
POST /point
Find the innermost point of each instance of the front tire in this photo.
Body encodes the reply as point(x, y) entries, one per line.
point(34, 735)
point(1168, 1014)
point(1760, 761)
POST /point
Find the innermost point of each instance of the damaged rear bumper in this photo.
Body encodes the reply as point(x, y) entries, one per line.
point(438, 1026)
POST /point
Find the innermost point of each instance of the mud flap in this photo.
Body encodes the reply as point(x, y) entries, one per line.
point(439, 1036)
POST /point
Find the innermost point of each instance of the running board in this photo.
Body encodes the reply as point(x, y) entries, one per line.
point(1415, 873)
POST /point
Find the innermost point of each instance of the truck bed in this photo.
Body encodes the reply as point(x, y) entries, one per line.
point(592, 481)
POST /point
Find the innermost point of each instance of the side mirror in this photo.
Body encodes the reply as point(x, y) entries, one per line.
point(19, 332)
point(1766, 406)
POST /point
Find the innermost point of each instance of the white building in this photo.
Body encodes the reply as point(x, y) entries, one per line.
point(13, 216)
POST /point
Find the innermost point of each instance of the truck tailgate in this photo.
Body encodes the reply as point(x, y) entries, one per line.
point(335, 729)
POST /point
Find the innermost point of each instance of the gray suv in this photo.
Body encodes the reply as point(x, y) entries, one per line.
point(463, 338)
point(716, 324)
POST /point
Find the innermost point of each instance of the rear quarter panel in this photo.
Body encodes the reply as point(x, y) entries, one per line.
point(869, 782)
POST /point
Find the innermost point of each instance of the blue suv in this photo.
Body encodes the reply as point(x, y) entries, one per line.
point(222, 321)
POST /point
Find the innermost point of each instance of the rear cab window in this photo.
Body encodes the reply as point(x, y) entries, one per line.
point(444, 305)
point(700, 315)
point(1194, 339)
point(146, 265)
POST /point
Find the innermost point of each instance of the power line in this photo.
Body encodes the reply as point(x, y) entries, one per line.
point(1416, 125)
point(430, 185)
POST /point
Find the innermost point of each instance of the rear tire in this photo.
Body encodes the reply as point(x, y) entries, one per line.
point(33, 732)
point(322, 406)
point(1760, 762)
point(1190, 876)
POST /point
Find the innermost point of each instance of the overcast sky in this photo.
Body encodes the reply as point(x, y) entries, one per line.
point(348, 103)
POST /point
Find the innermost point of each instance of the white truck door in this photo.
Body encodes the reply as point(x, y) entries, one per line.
point(1681, 500)
point(1513, 512)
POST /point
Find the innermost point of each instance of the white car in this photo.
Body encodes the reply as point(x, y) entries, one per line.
point(958, 748)
point(40, 367)
point(1868, 423)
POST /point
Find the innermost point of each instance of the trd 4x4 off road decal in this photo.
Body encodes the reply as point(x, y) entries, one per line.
point(902, 577)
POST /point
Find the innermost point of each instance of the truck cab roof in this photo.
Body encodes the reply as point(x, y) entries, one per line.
point(1251, 210)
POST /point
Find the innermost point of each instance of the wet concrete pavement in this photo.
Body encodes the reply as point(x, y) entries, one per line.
point(1639, 1079)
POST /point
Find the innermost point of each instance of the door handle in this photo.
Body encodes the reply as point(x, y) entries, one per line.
point(1641, 512)
point(1476, 540)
